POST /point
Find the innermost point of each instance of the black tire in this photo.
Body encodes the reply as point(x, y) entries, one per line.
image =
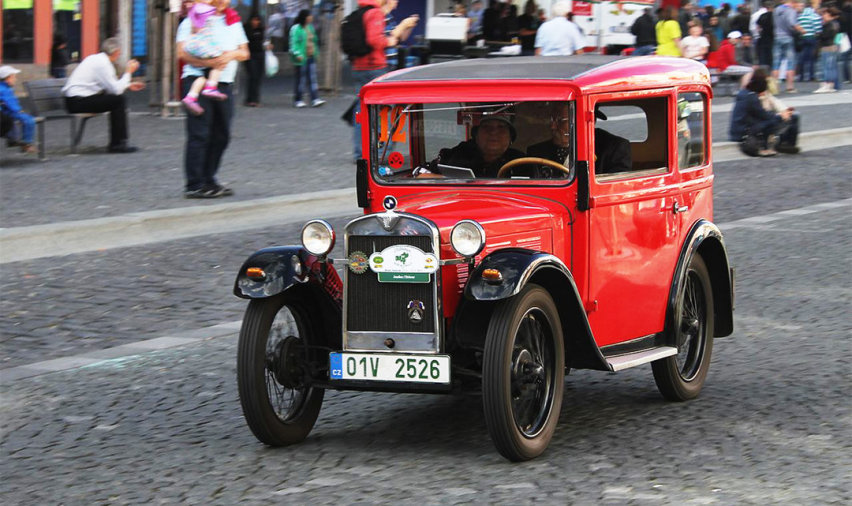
point(680, 377)
point(523, 374)
point(278, 406)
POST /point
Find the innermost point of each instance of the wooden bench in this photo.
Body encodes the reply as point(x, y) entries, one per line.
point(47, 104)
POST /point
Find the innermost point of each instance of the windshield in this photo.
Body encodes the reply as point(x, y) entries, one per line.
point(428, 143)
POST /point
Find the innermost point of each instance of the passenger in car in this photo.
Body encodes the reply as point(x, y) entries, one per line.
point(487, 150)
point(558, 147)
point(612, 153)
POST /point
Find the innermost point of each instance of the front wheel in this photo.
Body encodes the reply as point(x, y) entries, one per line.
point(522, 374)
point(272, 371)
point(681, 376)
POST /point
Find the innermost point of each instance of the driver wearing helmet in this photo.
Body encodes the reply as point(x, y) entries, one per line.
point(488, 148)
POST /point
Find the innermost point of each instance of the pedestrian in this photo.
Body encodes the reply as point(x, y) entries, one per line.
point(766, 34)
point(786, 29)
point(646, 35)
point(695, 46)
point(742, 20)
point(208, 134)
point(528, 27)
point(59, 56)
point(491, 20)
point(374, 64)
point(255, 65)
point(829, 48)
point(275, 30)
point(558, 36)
point(94, 87)
point(474, 16)
point(304, 48)
point(755, 128)
point(685, 15)
point(11, 109)
point(811, 24)
point(845, 57)
point(668, 33)
point(203, 43)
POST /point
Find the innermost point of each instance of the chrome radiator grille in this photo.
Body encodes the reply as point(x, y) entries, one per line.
point(383, 307)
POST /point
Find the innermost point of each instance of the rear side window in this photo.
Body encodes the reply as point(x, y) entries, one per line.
point(691, 131)
point(631, 135)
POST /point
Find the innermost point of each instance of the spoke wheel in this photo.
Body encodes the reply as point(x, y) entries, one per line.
point(523, 373)
point(272, 371)
point(681, 376)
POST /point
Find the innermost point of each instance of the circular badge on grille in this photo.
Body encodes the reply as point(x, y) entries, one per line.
point(389, 202)
point(358, 262)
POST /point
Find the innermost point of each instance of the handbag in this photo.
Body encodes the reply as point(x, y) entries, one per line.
point(271, 62)
point(842, 41)
point(751, 145)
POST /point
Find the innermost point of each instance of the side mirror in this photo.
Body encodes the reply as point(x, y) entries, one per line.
point(362, 172)
point(583, 185)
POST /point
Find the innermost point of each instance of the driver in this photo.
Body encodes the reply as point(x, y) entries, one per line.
point(488, 148)
point(558, 147)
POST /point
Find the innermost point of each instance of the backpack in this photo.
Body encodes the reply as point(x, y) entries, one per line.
point(353, 37)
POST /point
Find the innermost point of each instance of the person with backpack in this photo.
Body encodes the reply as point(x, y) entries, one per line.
point(363, 39)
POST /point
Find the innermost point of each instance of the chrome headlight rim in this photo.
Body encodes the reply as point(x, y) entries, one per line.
point(321, 226)
point(474, 226)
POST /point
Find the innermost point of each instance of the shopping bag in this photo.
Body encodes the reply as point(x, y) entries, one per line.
point(271, 64)
point(842, 40)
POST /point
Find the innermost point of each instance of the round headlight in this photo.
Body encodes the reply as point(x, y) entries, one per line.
point(318, 237)
point(467, 238)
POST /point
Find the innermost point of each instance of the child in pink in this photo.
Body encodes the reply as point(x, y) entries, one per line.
point(202, 44)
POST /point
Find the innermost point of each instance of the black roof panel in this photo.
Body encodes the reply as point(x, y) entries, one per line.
point(523, 67)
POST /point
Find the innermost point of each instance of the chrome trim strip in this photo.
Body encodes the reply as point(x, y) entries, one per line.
point(406, 342)
point(437, 339)
point(640, 357)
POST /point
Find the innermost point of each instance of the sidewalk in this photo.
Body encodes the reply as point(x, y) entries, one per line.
point(276, 150)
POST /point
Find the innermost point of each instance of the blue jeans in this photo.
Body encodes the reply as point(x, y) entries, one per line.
point(844, 60)
point(308, 73)
point(808, 61)
point(644, 50)
point(362, 77)
point(829, 68)
point(783, 49)
point(27, 129)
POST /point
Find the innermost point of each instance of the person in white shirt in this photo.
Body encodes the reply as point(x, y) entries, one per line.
point(94, 87)
point(558, 36)
point(695, 45)
point(208, 134)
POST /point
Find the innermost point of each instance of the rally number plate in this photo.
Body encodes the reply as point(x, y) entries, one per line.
point(389, 367)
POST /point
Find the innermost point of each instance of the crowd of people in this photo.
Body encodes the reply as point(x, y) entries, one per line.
point(786, 35)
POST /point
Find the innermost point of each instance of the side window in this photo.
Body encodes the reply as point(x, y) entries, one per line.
point(691, 121)
point(631, 135)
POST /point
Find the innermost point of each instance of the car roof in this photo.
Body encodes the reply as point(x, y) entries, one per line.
point(591, 68)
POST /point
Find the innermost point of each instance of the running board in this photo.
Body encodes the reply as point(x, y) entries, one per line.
point(629, 360)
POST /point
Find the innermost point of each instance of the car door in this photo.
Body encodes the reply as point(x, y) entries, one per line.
point(634, 224)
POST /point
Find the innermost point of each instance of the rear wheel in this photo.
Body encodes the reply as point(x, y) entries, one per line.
point(272, 372)
point(523, 372)
point(681, 376)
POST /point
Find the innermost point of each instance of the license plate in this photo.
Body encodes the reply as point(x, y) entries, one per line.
point(389, 367)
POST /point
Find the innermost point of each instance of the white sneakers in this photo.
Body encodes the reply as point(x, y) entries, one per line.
point(314, 103)
point(825, 88)
point(300, 104)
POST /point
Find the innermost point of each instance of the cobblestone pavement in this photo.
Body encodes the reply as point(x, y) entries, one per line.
point(771, 426)
point(275, 150)
point(54, 307)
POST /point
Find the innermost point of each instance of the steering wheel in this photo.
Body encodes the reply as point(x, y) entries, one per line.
point(531, 159)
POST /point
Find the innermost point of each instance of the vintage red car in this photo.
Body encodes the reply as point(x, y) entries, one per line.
point(521, 218)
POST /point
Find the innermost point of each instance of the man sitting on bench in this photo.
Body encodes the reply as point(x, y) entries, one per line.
point(93, 87)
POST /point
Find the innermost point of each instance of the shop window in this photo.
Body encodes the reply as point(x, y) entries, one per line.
point(18, 31)
point(66, 26)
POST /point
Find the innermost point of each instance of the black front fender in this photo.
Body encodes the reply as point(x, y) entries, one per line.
point(284, 266)
point(516, 266)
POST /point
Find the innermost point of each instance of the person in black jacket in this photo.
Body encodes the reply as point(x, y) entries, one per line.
point(766, 28)
point(487, 150)
point(254, 66)
point(646, 35)
point(752, 125)
point(559, 147)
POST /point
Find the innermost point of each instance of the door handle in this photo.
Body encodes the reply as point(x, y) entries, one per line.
point(676, 208)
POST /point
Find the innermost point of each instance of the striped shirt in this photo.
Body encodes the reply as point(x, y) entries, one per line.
point(811, 23)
